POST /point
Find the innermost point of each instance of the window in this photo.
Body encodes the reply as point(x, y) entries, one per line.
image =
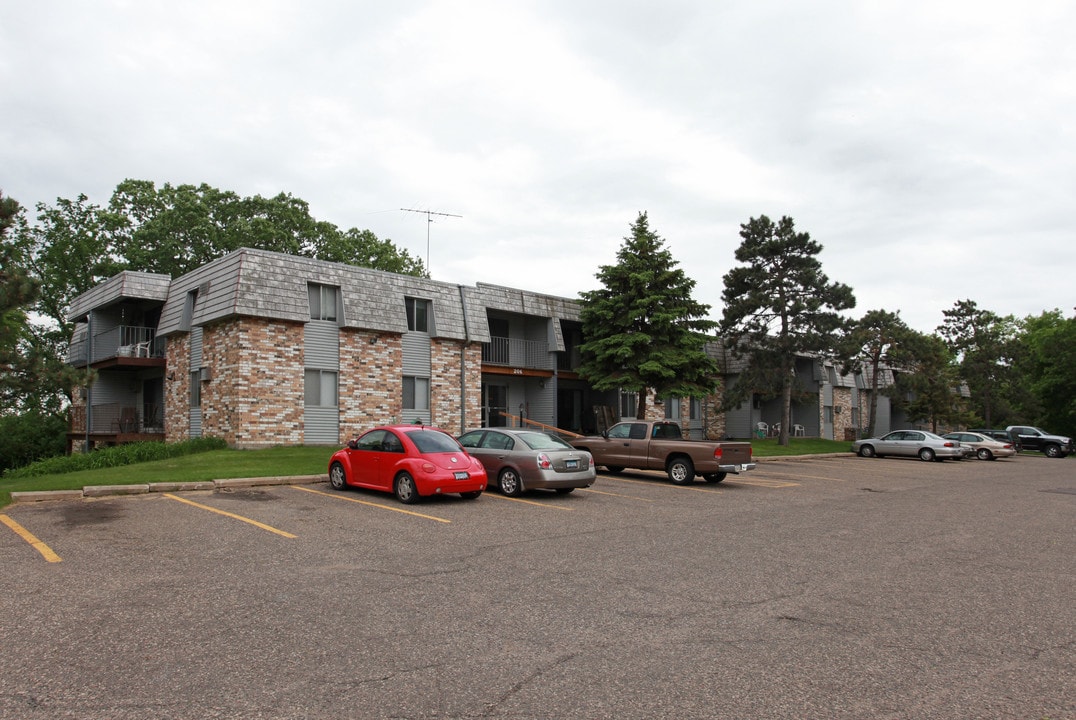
point(196, 388)
point(418, 315)
point(188, 309)
point(392, 444)
point(696, 409)
point(320, 390)
point(628, 402)
point(416, 393)
point(672, 408)
point(373, 440)
point(323, 300)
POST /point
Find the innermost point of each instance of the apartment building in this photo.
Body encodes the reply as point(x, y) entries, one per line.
point(262, 348)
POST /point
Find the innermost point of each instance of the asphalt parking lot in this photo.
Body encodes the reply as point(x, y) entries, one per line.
point(825, 588)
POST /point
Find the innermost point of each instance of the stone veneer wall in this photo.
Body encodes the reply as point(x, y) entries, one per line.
point(177, 399)
point(655, 411)
point(842, 419)
point(77, 409)
point(255, 396)
point(371, 392)
point(710, 406)
point(445, 410)
point(713, 417)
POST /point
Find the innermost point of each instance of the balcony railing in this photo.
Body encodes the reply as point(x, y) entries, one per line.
point(122, 341)
point(118, 419)
point(515, 352)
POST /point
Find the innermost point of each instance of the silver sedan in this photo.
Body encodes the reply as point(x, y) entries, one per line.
point(518, 460)
point(910, 443)
point(983, 447)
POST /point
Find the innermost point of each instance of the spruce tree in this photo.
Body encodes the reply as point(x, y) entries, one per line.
point(642, 329)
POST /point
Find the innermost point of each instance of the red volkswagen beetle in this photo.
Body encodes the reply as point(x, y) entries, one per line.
point(409, 461)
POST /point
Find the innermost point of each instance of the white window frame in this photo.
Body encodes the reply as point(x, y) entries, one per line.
point(320, 388)
point(416, 391)
point(324, 301)
point(418, 314)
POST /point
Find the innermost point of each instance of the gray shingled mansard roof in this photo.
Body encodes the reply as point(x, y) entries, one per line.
point(264, 284)
point(128, 285)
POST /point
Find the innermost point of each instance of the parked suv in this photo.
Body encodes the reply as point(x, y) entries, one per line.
point(1026, 437)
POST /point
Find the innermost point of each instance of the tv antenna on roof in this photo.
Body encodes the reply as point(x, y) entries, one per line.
point(429, 219)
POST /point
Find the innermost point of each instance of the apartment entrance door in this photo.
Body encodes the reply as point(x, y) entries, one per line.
point(494, 405)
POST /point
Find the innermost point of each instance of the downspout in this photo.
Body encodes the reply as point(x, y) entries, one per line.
point(89, 389)
point(463, 362)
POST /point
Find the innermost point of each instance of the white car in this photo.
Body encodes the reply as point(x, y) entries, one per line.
point(910, 443)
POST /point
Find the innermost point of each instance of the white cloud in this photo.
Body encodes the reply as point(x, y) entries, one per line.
point(928, 146)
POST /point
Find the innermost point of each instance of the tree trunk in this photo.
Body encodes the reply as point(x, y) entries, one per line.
point(872, 419)
point(640, 406)
point(786, 402)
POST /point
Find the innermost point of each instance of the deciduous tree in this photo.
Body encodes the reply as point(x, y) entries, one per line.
point(1049, 364)
point(981, 341)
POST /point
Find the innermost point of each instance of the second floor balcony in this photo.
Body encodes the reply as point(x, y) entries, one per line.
point(515, 352)
point(125, 341)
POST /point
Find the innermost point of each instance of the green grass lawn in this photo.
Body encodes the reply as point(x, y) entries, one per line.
point(213, 465)
point(222, 464)
point(768, 447)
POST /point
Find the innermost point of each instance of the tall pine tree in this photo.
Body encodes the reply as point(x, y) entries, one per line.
point(643, 330)
point(780, 304)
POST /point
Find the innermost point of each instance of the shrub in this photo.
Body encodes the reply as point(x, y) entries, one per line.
point(31, 436)
point(116, 456)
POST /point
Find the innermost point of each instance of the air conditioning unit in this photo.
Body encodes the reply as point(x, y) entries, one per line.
point(205, 374)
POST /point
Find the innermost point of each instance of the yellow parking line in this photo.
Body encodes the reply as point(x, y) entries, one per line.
point(657, 482)
point(530, 502)
point(769, 473)
point(629, 497)
point(336, 496)
point(255, 523)
point(761, 482)
point(29, 537)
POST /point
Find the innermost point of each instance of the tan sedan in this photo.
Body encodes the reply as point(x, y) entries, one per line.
point(985, 448)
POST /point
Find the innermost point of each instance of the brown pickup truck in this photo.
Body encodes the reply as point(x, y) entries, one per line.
point(661, 446)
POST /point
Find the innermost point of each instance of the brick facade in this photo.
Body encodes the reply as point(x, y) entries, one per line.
point(255, 397)
point(177, 389)
point(367, 359)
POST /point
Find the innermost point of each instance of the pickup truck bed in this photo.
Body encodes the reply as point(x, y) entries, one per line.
point(647, 445)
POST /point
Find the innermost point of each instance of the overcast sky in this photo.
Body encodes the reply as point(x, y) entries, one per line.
point(929, 146)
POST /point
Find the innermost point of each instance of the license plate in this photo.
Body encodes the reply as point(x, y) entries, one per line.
point(461, 475)
point(571, 464)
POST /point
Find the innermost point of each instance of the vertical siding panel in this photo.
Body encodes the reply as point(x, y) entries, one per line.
point(416, 354)
point(321, 350)
point(194, 417)
point(321, 344)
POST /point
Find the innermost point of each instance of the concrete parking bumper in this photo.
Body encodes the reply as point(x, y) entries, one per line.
point(95, 491)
